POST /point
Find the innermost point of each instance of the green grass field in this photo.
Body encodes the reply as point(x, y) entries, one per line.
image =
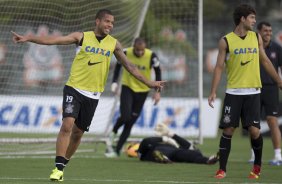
point(90, 166)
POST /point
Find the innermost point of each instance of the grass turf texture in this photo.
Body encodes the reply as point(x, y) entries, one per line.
point(93, 167)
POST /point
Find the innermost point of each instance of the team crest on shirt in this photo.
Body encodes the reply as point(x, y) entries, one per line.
point(69, 108)
point(226, 118)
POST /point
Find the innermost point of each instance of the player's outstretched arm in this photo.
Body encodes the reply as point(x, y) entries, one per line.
point(158, 85)
point(48, 40)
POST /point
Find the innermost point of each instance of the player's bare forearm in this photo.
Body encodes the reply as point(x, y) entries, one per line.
point(131, 68)
point(156, 97)
point(48, 40)
point(215, 83)
point(219, 65)
point(51, 40)
point(216, 79)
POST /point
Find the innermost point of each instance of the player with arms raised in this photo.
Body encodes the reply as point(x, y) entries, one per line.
point(86, 82)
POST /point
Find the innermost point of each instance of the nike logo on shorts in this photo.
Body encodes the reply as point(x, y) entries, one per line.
point(244, 63)
point(90, 64)
point(256, 122)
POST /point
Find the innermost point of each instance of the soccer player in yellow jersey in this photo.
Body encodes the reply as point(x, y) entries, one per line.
point(86, 82)
point(133, 92)
point(241, 52)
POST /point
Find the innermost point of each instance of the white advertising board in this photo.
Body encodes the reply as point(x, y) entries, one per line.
point(37, 114)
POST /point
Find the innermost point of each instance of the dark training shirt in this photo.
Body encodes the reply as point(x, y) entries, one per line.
point(274, 53)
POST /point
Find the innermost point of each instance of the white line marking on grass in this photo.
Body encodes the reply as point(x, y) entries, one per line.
point(135, 181)
point(41, 152)
point(45, 157)
point(8, 156)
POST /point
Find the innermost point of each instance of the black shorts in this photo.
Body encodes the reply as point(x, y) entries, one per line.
point(131, 102)
point(240, 107)
point(79, 107)
point(269, 100)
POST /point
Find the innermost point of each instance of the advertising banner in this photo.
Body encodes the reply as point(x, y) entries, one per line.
point(38, 114)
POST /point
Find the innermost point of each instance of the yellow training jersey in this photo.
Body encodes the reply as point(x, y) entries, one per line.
point(143, 64)
point(242, 64)
point(90, 67)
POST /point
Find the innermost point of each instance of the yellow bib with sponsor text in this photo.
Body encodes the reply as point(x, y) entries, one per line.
point(242, 62)
point(90, 68)
point(143, 64)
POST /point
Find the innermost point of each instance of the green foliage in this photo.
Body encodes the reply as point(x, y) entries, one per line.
point(172, 15)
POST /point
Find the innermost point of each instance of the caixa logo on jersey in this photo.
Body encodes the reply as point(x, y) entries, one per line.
point(98, 51)
point(245, 51)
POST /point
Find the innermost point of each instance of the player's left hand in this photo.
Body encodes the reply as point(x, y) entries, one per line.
point(18, 38)
point(211, 99)
point(156, 97)
point(158, 85)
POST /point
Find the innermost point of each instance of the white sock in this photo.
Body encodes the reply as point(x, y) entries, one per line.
point(252, 155)
point(277, 153)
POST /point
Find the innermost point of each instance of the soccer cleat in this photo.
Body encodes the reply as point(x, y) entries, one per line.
point(276, 162)
point(255, 173)
point(160, 157)
point(220, 174)
point(111, 154)
point(57, 175)
point(213, 159)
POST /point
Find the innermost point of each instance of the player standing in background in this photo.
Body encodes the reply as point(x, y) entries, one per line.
point(133, 92)
point(241, 52)
point(270, 92)
point(86, 82)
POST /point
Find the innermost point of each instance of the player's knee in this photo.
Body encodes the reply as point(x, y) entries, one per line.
point(65, 129)
point(254, 132)
point(229, 131)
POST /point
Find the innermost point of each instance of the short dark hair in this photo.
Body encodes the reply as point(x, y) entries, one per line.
point(101, 13)
point(243, 10)
point(263, 23)
point(139, 40)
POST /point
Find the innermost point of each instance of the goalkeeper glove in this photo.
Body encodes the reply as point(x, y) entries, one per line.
point(170, 141)
point(114, 87)
point(162, 129)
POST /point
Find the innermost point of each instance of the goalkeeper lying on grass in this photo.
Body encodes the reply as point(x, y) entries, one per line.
point(167, 148)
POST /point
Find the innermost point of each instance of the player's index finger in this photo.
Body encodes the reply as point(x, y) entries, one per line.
point(14, 33)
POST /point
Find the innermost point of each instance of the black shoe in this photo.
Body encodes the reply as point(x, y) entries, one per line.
point(213, 159)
